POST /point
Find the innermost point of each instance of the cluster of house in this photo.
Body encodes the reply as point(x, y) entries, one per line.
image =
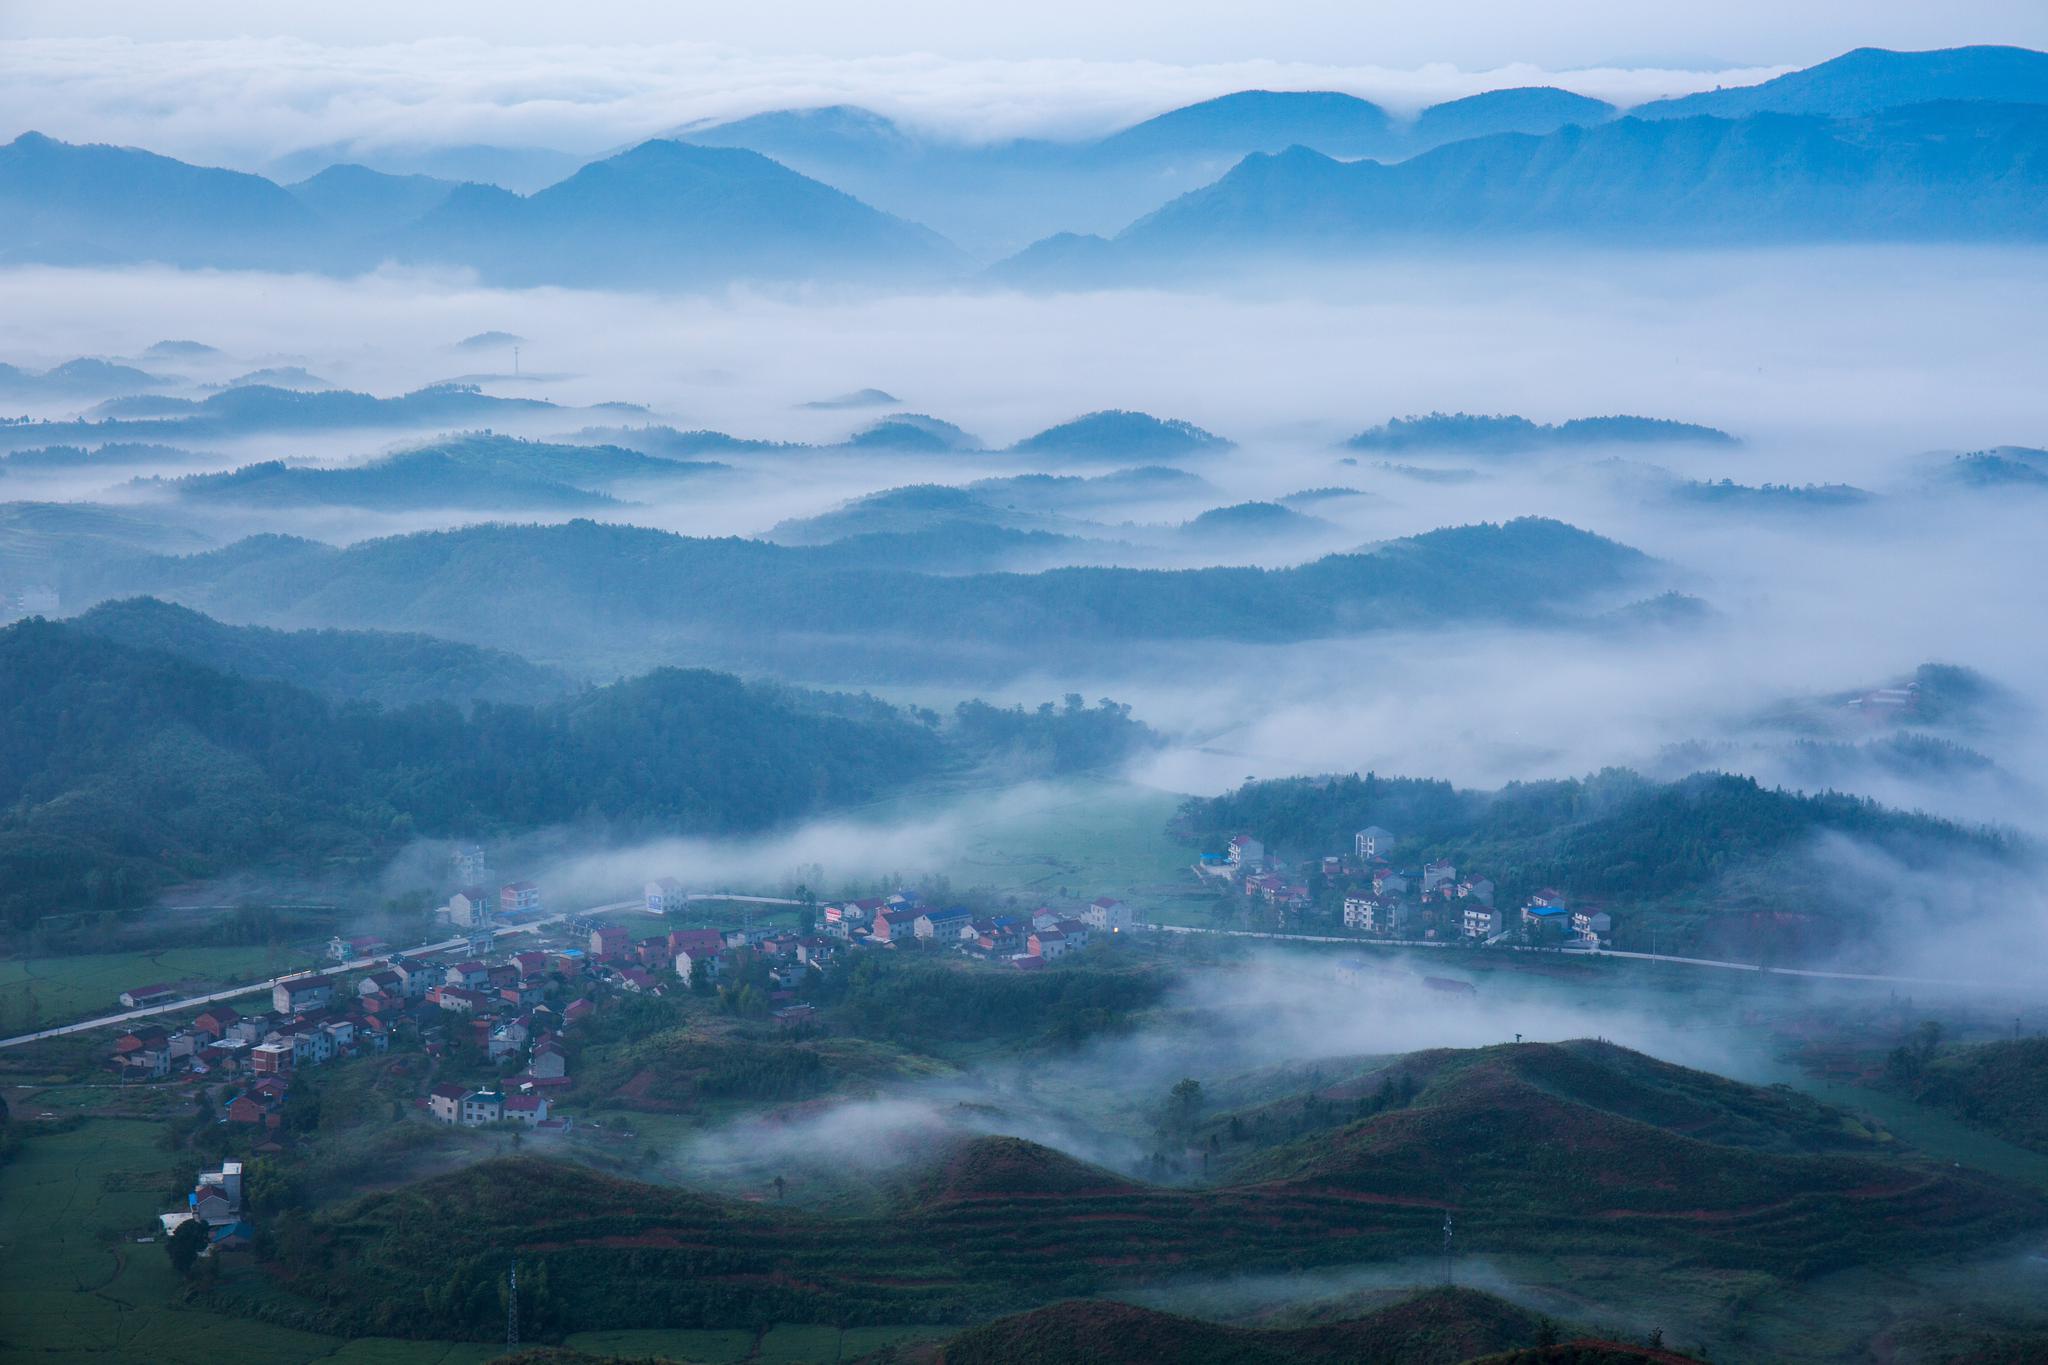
point(305, 1026)
point(316, 1017)
point(1380, 897)
point(1026, 941)
point(477, 906)
point(215, 1203)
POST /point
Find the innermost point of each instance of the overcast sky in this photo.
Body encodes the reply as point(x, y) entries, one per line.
point(239, 80)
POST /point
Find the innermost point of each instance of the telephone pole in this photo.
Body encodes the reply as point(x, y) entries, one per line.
point(512, 1309)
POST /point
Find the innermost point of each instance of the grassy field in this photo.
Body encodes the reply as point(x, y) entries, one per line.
point(38, 992)
point(1085, 836)
point(76, 1287)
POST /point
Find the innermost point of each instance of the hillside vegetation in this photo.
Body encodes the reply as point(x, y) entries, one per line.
point(1503, 1138)
point(1708, 841)
point(123, 768)
point(592, 591)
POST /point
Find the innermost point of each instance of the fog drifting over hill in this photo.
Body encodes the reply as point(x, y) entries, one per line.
point(1837, 366)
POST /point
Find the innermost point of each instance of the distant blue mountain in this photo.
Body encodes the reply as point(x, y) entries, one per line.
point(1524, 109)
point(1953, 171)
point(1118, 434)
point(1507, 434)
point(1871, 79)
point(64, 202)
point(1255, 121)
point(360, 201)
point(663, 213)
point(673, 213)
point(85, 377)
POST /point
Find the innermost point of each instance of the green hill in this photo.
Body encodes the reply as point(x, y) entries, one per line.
point(1711, 843)
point(363, 665)
point(1499, 1138)
point(124, 768)
point(607, 593)
point(2001, 1087)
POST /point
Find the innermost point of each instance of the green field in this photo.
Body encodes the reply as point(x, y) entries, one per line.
point(1085, 836)
point(41, 991)
point(76, 1286)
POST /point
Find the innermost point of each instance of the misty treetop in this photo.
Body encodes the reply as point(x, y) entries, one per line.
point(586, 590)
point(124, 768)
point(1510, 433)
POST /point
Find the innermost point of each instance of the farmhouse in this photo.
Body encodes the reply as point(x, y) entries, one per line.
point(1372, 842)
point(519, 898)
point(142, 997)
point(301, 994)
point(1109, 914)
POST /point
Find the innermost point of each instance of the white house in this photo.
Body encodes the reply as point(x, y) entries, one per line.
point(1481, 921)
point(1109, 915)
point(1372, 842)
point(301, 994)
point(1246, 852)
point(469, 908)
point(664, 895)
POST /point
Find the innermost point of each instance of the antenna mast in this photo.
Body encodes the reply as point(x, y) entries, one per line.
point(512, 1309)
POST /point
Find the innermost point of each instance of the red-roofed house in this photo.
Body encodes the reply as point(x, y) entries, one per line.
point(531, 1110)
point(444, 1102)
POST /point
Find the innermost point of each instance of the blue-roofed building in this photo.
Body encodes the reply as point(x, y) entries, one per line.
point(953, 922)
point(1547, 919)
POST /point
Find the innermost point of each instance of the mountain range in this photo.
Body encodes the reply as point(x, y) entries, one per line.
point(1872, 144)
point(618, 597)
point(1955, 171)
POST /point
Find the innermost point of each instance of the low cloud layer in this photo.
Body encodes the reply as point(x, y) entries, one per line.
point(247, 101)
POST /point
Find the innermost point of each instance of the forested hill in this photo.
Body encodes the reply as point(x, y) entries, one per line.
point(124, 769)
point(1614, 835)
point(348, 665)
point(600, 592)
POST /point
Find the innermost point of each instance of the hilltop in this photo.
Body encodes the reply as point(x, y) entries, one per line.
point(1508, 434)
point(580, 589)
point(1122, 435)
point(1538, 1149)
point(383, 667)
point(1718, 859)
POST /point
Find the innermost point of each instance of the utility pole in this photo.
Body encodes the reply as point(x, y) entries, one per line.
point(515, 362)
point(512, 1309)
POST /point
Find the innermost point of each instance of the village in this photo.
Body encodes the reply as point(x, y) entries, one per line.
point(1378, 898)
point(512, 1011)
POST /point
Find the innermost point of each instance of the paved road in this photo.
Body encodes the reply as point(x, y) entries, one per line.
point(250, 988)
point(1577, 953)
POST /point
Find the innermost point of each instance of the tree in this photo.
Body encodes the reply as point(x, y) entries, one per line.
point(807, 912)
point(1184, 1107)
point(185, 1244)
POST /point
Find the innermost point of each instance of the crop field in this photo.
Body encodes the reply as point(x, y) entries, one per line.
point(40, 991)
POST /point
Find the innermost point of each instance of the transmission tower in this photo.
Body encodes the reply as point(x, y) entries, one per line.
point(512, 1309)
point(1447, 1246)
